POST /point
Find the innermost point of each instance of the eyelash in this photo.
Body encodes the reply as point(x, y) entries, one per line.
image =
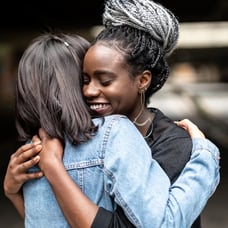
point(106, 83)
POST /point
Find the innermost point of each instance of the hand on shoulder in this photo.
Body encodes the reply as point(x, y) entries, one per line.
point(192, 129)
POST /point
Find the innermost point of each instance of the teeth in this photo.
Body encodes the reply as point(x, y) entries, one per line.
point(97, 106)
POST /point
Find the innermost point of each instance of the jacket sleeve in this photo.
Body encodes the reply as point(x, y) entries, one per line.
point(148, 200)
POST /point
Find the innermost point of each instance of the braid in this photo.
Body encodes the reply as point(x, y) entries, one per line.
point(145, 32)
point(140, 51)
point(144, 15)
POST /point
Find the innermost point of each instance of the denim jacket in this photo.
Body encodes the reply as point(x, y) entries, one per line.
point(107, 169)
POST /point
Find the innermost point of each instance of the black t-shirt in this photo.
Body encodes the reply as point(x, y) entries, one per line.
point(171, 147)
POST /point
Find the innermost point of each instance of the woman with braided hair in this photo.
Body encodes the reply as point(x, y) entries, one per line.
point(111, 171)
point(124, 67)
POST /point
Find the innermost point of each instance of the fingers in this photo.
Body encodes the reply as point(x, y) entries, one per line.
point(36, 139)
point(26, 147)
point(30, 176)
point(20, 165)
point(23, 167)
point(22, 177)
point(17, 172)
point(26, 152)
point(192, 129)
point(20, 162)
point(35, 175)
point(19, 179)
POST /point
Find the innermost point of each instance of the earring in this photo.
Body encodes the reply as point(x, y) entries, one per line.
point(143, 90)
point(142, 100)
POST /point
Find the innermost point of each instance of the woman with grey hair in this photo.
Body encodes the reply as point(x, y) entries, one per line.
point(123, 68)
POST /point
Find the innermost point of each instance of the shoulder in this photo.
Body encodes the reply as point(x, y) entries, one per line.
point(113, 121)
point(169, 143)
point(163, 126)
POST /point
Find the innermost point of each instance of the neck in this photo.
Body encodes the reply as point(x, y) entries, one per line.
point(143, 120)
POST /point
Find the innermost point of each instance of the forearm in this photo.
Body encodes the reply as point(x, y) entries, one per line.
point(197, 182)
point(77, 208)
point(160, 204)
point(18, 202)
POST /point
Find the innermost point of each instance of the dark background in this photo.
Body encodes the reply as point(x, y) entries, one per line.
point(23, 20)
point(65, 14)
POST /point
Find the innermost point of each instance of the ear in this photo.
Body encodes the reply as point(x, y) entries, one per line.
point(144, 80)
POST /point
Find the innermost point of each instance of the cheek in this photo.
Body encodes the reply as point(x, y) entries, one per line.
point(120, 91)
point(121, 96)
point(114, 93)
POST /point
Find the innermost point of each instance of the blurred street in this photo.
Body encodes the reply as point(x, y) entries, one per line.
point(206, 104)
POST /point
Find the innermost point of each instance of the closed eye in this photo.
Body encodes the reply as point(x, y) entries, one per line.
point(106, 82)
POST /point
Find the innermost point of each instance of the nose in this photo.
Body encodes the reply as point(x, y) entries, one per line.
point(91, 90)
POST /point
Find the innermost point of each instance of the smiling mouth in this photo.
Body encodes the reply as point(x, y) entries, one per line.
point(98, 106)
point(101, 108)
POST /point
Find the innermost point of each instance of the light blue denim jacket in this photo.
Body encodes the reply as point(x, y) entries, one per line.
point(115, 167)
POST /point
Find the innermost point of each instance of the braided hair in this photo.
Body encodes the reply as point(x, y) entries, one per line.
point(145, 32)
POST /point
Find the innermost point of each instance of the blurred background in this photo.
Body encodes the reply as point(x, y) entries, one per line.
point(196, 89)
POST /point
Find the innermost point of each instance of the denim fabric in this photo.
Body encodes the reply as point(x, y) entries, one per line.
point(108, 170)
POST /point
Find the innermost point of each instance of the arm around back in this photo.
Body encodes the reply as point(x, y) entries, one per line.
point(142, 189)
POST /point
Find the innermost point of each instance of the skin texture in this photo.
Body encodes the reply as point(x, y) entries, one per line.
point(110, 89)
